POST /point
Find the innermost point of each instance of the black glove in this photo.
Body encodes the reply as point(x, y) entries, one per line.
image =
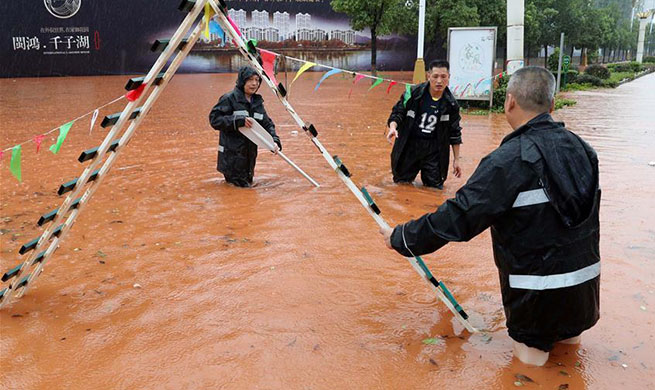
point(276, 139)
point(239, 121)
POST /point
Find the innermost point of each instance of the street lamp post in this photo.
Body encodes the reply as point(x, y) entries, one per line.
point(419, 66)
point(515, 17)
point(643, 20)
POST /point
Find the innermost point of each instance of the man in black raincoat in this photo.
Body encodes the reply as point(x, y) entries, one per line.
point(539, 193)
point(237, 155)
point(425, 125)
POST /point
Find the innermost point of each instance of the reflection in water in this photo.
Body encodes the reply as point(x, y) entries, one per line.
point(350, 60)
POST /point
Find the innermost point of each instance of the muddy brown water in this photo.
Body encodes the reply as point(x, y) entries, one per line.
point(284, 285)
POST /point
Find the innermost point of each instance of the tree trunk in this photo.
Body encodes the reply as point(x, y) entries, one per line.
point(374, 50)
point(546, 55)
point(583, 56)
point(571, 55)
point(604, 55)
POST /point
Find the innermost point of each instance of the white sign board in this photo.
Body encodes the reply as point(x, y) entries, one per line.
point(472, 53)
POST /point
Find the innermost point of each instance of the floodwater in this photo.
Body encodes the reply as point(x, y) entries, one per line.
point(171, 279)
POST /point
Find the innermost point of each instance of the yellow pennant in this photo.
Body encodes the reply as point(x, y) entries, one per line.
point(302, 70)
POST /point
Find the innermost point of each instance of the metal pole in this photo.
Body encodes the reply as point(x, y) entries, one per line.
point(419, 65)
point(559, 64)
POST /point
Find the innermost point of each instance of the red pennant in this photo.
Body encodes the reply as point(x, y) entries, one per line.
point(37, 140)
point(500, 76)
point(234, 25)
point(135, 93)
point(391, 84)
point(2, 154)
point(357, 78)
point(268, 61)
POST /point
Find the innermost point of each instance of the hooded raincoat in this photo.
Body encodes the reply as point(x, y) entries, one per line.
point(539, 193)
point(449, 131)
point(237, 155)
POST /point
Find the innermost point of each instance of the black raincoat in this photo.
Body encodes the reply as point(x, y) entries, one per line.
point(539, 193)
point(449, 131)
point(237, 154)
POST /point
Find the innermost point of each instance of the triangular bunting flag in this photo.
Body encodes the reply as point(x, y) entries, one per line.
point(302, 70)
point(2, 154)
point(268, 63)
point(325, 76)
point(93, 120)
point(37, 140)
point(134, 94)
point(391, 84)
point(63, 132)
point(209, 12)
point(215, 29)
point(408, 93)
point(14, 165)
point(357, 78)
point(234, 25)
point(378, 81)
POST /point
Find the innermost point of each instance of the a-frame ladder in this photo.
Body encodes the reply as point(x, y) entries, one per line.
point(51, 236)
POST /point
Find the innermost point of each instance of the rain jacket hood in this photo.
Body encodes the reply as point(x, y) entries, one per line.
point(570, 186)
point(245, 72)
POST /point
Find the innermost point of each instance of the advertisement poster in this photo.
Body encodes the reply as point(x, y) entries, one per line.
point(471, 53)
point(96, 37)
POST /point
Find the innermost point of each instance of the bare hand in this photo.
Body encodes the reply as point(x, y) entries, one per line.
point(457, 171)
point(393, 133)
point(386, 233)
point(249, 123)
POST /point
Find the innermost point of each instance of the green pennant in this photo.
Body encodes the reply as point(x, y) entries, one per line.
point(14, 165)
point(63, 132)
point(377, 82)
point(408, 93)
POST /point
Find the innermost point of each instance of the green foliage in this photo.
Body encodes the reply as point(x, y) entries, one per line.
point(553, 61)
point(589, 79)
point(649, 59)
point(633, 66)
point(562, 102)
point(572, 76)
point(499, 93)
point(598, 71)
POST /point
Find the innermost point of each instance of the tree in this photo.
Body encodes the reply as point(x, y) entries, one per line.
point(380, 16)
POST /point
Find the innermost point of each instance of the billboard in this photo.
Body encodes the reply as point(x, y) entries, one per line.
point(95, 37)
point(472, 54)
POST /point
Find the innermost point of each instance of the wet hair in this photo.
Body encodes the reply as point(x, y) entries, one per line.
point(439, 64)
point(533, 88)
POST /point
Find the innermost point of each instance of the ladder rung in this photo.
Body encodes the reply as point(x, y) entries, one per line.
point(23, 282)
point(68, 186)
point(136, 82)
point(32, 244)
point(12, 272)
point(51, 215)
point(91, 153)
point(283, 91)
point(39, 258)
point(187, 5)
point(160, 44)
point(111, 120)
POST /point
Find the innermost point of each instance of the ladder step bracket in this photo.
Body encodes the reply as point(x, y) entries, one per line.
point(283, 91)
point(12, 272)
point(311, 129)
point(371, 202)
point(160, 44)
point(187, 5)
point(341, 166)
point(111, 120)
point(32, 244)
point(136, 82)
point(51, 215)
point(91, 153)
point(68, 186)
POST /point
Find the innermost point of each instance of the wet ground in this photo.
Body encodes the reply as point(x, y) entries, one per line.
point(171, 279)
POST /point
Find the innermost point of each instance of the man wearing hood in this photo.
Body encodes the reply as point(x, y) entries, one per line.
point(237, 155)
point(424, 126)
point(539, 193)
